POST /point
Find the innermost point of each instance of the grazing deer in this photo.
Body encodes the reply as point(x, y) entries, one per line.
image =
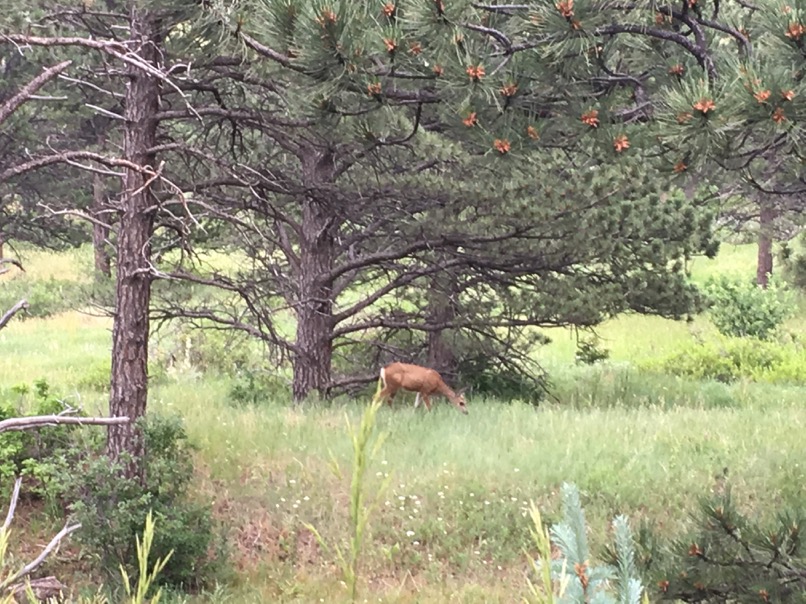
point(421, 380)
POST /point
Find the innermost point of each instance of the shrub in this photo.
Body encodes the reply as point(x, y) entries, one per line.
point(590, 352)
point(45, 297)
point(728, 360)
point(487, 376)
point(210, 350)
point(255, 387)
point(741, 308)
point(36, 454)
point(112, 509)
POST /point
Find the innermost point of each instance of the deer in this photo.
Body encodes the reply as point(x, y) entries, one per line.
point(422, 380)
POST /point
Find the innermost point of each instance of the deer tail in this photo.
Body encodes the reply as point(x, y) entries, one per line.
point(383, 377)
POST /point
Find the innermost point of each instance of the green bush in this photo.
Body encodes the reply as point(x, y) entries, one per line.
point(487, 376)
point(112, 509)
point(591, 351)
point(741, 308)
point(45, 297)
point(37, 455)
point(252, 387)
point(731, 359)
point(186, 348)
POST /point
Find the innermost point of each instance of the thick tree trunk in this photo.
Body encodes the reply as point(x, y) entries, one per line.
point(314, 303)
point(314, 338)
point(441, 310)
point(765, 236)
point(100, 233)
point(128, 391)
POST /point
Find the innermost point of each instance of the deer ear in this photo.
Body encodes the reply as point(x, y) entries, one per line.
point(461, 391)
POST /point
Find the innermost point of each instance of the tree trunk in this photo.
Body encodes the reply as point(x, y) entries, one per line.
point(765, 235)
point(128, 391)
point(314, 309)
point(2, 243)
point(314, 303)
point(441, 309)
point(100, 233)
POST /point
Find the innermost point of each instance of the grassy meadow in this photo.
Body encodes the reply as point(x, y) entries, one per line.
point(452, 524)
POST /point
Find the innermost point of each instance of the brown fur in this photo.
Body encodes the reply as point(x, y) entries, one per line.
point(425, 382)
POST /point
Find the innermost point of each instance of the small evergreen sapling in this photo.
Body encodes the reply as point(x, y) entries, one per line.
point(576, 580)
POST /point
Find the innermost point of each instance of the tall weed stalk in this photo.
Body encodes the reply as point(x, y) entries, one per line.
point(365, 449)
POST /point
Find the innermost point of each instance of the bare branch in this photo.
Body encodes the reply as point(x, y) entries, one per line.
point(37, 562)
point(68, 157)
point(11, 261)
point(22, 304)
point(27, 91)
point(39, 421)
point(12, 505)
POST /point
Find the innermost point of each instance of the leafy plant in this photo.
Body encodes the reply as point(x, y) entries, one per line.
point(254, 388)
point(741, 308)
point(731, 359)
point(39, 455)
point(112, 507)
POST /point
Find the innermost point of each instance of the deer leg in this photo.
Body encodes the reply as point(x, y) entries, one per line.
point(427, 401)
point(417, 400)
point(388, 394)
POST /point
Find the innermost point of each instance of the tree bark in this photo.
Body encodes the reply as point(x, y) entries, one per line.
point(128, 390)
point(441, 309)
point(314, 305)
point(100, 233)
point(765, 237)
point(314, 338)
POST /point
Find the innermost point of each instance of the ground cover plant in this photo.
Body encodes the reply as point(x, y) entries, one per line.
point(454, 519)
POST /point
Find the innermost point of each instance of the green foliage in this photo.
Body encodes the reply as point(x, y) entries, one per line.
point(577, 579)
point(730, 359)
point(253, 387)
point(188, 348)
point(45, 297)
point(37, 455)
point(743, 309)
point(591, 351)
point(732, 556)
point(481, 375)
point(145, 578)
point(111, 509)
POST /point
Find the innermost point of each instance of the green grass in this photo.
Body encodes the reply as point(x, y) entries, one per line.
point(454, 524)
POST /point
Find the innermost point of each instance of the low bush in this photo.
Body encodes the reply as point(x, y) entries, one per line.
point(38, 455)
point(45, 297)
point(112, 509)
point(182, 347)
point(731, 359)
point(251, 387)
point(740, 308)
